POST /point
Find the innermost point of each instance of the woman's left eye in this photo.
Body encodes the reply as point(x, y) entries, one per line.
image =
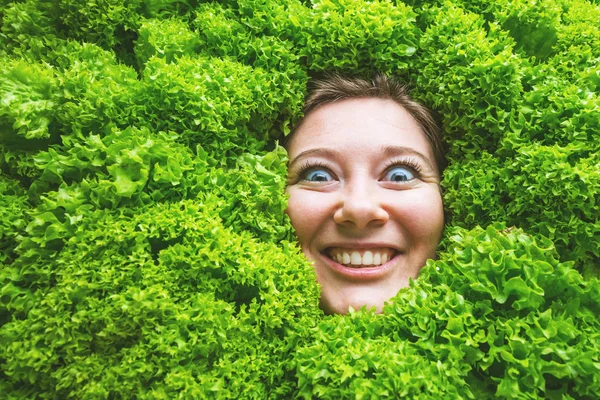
point(399, 174)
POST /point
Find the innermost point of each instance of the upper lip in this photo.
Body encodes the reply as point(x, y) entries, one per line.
point(361, 245)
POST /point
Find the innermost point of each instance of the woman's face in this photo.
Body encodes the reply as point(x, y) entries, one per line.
point(364, 200)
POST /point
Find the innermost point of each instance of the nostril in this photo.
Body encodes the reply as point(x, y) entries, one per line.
point(360, 217)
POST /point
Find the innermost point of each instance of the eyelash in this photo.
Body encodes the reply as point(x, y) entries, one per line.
point(308, 165)
point(408, 162)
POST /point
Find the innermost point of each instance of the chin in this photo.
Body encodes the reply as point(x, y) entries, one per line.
point(342, 304)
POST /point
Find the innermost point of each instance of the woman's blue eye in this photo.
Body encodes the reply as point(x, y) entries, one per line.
point(399, 174)
point(318, 175)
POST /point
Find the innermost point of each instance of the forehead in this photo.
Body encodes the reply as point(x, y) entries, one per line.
point(356, 125)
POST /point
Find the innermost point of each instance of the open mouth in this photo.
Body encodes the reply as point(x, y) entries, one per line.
point(360, 258)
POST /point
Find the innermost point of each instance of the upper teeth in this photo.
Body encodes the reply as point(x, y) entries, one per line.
point(356, 258)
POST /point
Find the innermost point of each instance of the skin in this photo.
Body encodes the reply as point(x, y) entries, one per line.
point(353, 185)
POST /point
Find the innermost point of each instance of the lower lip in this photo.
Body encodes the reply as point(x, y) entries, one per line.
point(363, 274)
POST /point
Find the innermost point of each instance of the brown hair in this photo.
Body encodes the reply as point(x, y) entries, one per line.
point(335, 87)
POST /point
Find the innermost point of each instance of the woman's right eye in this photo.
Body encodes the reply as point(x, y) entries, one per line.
point(317, 175)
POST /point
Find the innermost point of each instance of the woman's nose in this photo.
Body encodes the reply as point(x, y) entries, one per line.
point(360, 207)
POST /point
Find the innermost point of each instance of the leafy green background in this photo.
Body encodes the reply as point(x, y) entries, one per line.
point(144, 247)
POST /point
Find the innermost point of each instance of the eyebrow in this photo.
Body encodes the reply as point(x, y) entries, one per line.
point(388, 151)
point(391, 151)
point(315, 152)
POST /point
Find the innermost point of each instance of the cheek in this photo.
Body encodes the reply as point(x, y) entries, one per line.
point(422, 215)
point(305, 212)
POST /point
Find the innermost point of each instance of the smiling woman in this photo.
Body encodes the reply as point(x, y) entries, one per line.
point(363, 181)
